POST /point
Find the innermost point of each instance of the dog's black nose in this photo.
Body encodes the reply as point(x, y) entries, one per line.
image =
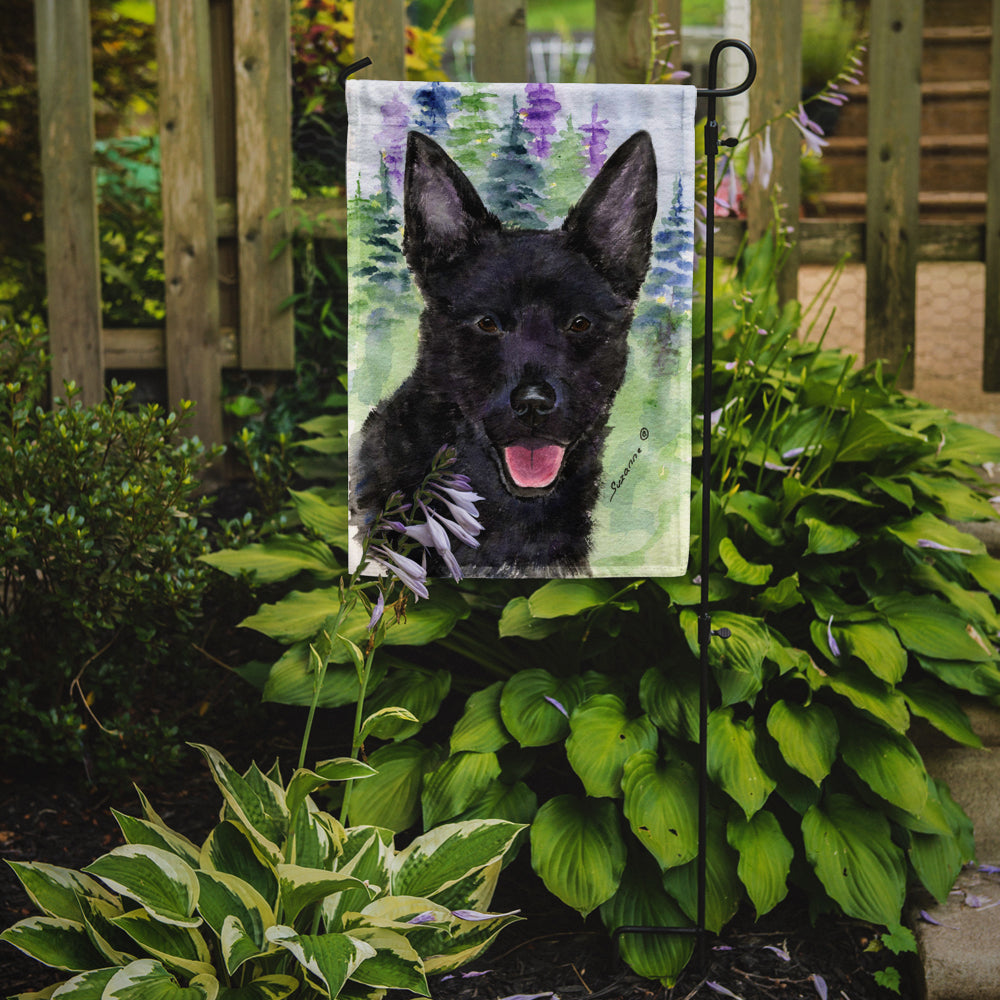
point(533, 399)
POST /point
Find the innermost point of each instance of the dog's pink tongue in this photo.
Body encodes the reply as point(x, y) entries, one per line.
point(533, 468)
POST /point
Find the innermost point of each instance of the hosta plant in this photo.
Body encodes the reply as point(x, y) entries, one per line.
point(279, 900)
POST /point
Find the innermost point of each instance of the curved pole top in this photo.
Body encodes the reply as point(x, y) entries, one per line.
point(713, 69)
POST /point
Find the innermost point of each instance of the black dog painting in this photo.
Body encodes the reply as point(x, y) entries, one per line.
point(531, 314)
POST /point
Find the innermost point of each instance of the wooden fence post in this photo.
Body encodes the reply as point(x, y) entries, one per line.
point(776, 35)
point(190, 251)
point(380, 34)
point(72, 255)
point(501, 41)
point(991, 333)
point(893, 183)
point(623, 37)
point(262, 61)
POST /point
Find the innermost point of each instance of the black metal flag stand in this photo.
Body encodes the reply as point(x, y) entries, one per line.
point(705, 631)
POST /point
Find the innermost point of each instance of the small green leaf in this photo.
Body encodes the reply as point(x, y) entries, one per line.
point(517, 620)
point(384, 723)
point(671, 700)
point(807, 736)
point(535, 706)
point(456, 784)
point(739, 569)
point(559, 598)
point(327, 520)
point(279, 558)
point(481, 727)
point(578, 851)
point(732, 760)
point(765, 858)
point(391, 798)
point(828, 539)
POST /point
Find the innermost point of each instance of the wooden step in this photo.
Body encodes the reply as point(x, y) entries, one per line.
point(947, 162)
point(956, 53)
point(958, 206)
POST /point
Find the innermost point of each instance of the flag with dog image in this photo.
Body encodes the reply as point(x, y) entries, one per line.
point(520, 265)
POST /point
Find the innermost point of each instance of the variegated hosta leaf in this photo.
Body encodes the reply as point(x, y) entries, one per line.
point(807, 736)
point(481, 727)
point(456, 784)
point(395, 964)
point(230, 849)
point(158, 880)
point(466, 941)
point(300, 887)
point(86, 986)
point(98, 915)
point(329, 959)
point(56, 891)
point(315, 838)
point(642, 902)
point(578, 851)
point(147, 979)
point(535, 706)
point(141, 831)
point(367, 853)
point(273, 987)
point(723, 889)
point(225, 897)
point(732, 760)
point(256, 801)
point(765, 858)
point(850, 847)
point(661, 800)
point(602, 737)
point(177, 947)
point(54, 941)
point(441, 857)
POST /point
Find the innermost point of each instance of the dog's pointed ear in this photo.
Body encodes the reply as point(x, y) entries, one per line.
point(612, 224)
point(443, 214)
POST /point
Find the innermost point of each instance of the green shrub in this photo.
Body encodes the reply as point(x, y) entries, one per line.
point(854, 602)
point(99, 540)
point(280, 899)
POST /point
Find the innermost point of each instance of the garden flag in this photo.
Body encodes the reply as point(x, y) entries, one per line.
point(520, 263)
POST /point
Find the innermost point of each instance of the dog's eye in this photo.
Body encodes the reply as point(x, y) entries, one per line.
point(580, 325)
point(488, 325)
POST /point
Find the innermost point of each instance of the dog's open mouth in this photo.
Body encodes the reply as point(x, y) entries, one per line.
point(533, 464)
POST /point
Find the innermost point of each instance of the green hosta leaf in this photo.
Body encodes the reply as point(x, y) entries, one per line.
point(159, 881)
point(986, 571)
point(732, 760)
point(261, 809)
point(578, 851)
point(738, 661)
point(684, 592)
point(180, 948)
point(226, 898)
point(292, 679)
point(558, 598)
point(671, 700)
point(827, 539)
point(931, 628)
point(56, 891)
point(783, 595)
point(893, 488)
point(391, 798)
point(870, 436)
point(765, 858)
point(723, 889)
point(739, 569)
point(965, 443)
point(535, 706)
point(274, 987)
point(301, 887)
point(865, 692)
point(438, 859)
point(602, 738)
point(279, 558)
point(661, 799)
point(147, 979)
point(456, 784)
point(850, 847)
point(330, 959)
point(928, 528)
point(54, 941)
point(641, 901)
point(888, 763)
point(481, 728)
point(516, 803)
point(976, 678)
point(941, 709)
point(230, 849)
point(807, 736)
point(141, 831)
point(937, 859)
point(517, 620)
point(327, 520)
point(956, 500)
point(760, 512)
point(876, 646)
point(975, 605)
point(415, 689)
point(395, 964)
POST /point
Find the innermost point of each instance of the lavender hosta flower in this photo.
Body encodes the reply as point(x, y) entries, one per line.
point(557, 704)
point(457, 529)
point(761, 164)
point(812, 134)
point(927, 543)
point(831, 642)
point(377, 612)
point(410, 572)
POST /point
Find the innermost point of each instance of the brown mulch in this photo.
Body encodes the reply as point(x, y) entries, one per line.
point(550, 953)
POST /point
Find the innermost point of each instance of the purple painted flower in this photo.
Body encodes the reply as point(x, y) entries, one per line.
point(595, 133)
point(391, 138)
point(539, 116)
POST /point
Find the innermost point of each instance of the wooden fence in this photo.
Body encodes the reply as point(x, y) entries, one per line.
point(226, 160)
